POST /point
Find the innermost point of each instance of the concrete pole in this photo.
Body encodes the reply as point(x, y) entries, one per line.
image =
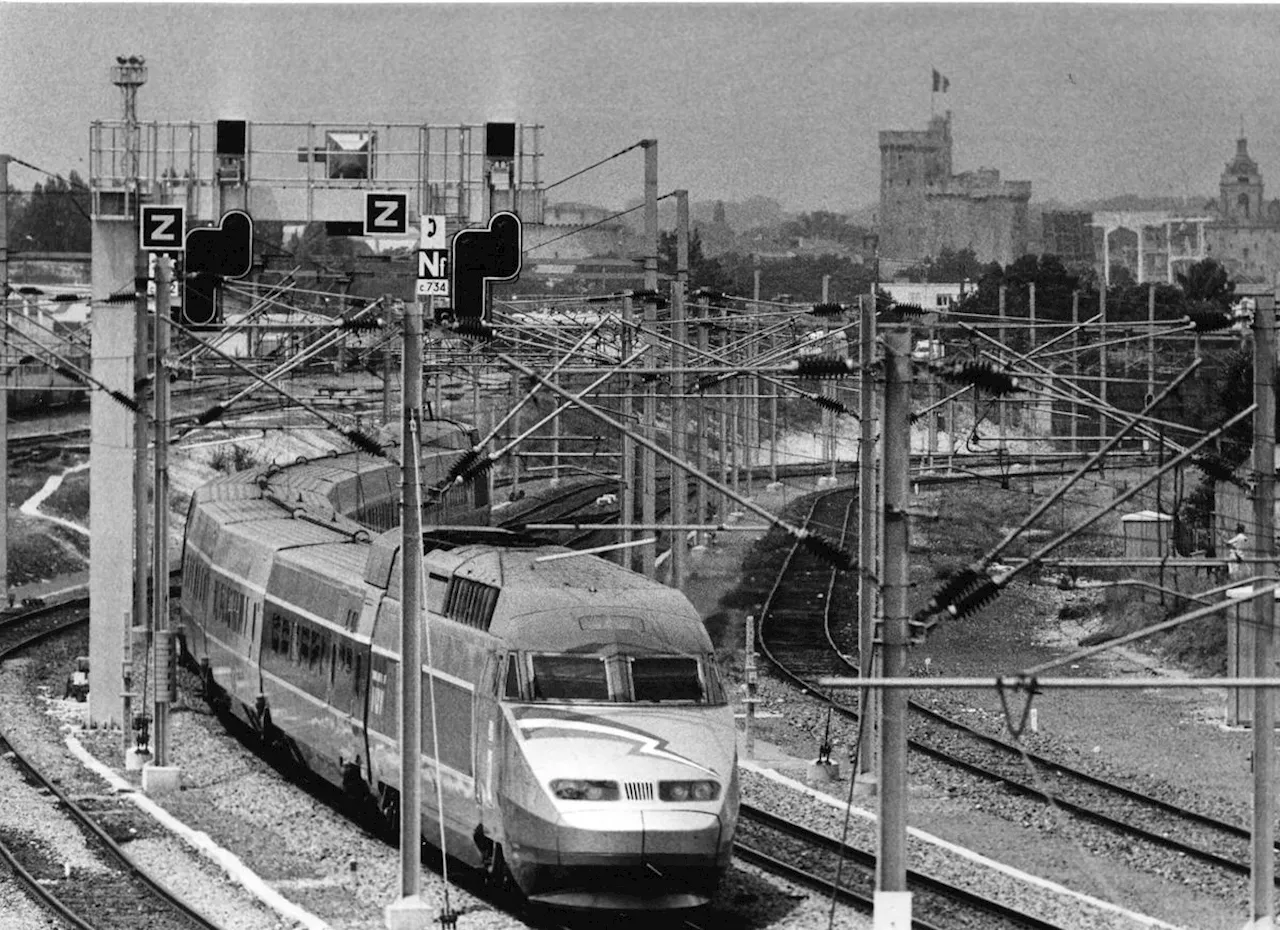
point(1262, 873)
point(628, 471)
point(1075, 371)
point(1151, 352)
point(679, 427)
point(1102, 365)
point(1036, 405)
point(868, 748)
point(144, 633)
point(402, 914)
point(727, 474)
point(701, 457)
point(1001, 335)
point(4, 375)
point(649, 429)
point(165, 666)
point(828, 388)
point(891, 895)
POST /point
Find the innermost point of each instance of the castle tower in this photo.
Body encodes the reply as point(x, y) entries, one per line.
point(1240, 189)
point(913, 164)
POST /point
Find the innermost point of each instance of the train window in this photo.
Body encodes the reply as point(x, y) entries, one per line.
point(511, 691)
point(358, 687)
point(569, 678)
point(666, 678)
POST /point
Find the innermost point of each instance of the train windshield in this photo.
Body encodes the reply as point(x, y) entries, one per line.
point(617, 679)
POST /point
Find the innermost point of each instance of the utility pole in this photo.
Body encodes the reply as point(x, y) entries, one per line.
point(679, 427)
point(160, 775)
point(828, 389)
point(868, 661)
point(1262, 873)
point(4, 374)
point(627, 474)
point(649, 412)
point(892, 900)
point(410, 911)
point(700, 456)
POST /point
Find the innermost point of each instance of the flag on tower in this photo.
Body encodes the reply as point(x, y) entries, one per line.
point(940, 82)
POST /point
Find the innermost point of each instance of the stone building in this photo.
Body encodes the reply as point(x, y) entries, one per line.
point(925, 207)
point(1245, 233)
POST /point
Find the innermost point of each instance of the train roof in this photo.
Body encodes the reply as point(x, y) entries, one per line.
point(551, 597)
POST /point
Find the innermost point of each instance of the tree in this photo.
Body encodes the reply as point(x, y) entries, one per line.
point(703, 272)
point(55, 218)
point(823, 224)
point(1207, 281)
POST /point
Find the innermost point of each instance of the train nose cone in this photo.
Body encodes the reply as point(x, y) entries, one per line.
point(680, 832)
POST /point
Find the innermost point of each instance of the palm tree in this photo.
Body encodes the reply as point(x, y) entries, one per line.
point(1207, 281)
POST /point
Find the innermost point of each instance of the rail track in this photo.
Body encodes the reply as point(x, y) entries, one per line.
point(824, 864)
point(804, 644)
point(103, 889)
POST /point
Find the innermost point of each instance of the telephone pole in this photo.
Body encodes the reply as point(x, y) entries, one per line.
point(1262, 873)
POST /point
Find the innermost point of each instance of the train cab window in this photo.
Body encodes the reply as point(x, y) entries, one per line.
point(569, 678)
point(666, 678)
point(511, 689)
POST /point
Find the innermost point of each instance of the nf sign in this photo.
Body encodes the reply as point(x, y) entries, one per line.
point(162, 229)
point(386, 213)
point(433, 258)
point(433, 272)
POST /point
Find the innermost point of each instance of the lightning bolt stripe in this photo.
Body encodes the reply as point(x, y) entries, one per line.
point(552, 723)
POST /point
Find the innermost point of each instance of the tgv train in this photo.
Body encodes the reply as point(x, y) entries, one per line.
point(586, 750)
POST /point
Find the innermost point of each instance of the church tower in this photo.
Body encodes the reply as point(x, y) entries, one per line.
point(1240, 190)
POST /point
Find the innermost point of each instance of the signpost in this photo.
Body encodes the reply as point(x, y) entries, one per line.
point(386, 213)
point(481, 256)
point(162, 228)
point(433, 258)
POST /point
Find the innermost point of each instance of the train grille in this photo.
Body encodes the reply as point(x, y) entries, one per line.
point(638, 790)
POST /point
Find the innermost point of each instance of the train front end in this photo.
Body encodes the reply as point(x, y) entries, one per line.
point(621, 787)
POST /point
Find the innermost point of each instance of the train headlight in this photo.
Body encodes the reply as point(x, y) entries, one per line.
point(688, 790)
point(577, 789)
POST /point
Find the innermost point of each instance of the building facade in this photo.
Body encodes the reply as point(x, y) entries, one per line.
point(926, 207)
point(1244, 236)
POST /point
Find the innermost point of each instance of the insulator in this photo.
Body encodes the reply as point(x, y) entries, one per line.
point(709, 294)
point(1208, 321)
point(68, 373)
point(213, 413)
point(706, 382)
point(1214, 467)
point(962, 581)
point(912, 310)
point(368, 324)
point(121, 298)
point(827, 309)
point(981, 374)
point(125, 399)
point(474, 329)
point(828, 551)
point(974, 599)
point(830, 403)
point(479, 467)
point(820, 366)
point(461, 466)
point(363, 441)
point(648, 377)
point(66, 298)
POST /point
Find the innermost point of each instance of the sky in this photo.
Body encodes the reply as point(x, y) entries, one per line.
point(745, 99)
